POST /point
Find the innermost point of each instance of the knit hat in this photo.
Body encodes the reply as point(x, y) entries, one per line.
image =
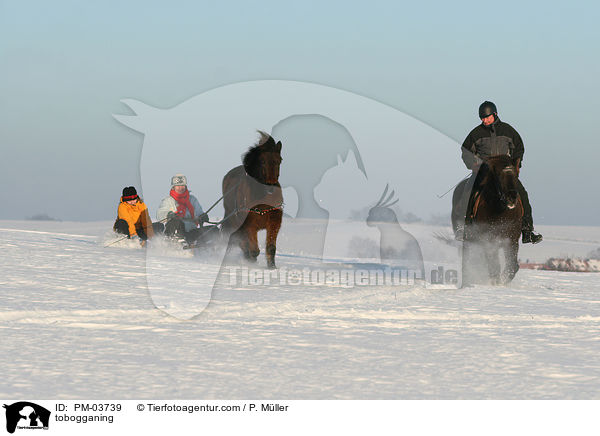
point(178, 180)
point(129, 193)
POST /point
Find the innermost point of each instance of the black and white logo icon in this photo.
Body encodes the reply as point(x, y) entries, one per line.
point(26, 415)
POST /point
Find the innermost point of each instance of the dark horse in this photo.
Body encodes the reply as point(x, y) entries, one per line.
point(252, 199)
point(496, 223)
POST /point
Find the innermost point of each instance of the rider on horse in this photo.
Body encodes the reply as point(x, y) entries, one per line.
point(491, 138)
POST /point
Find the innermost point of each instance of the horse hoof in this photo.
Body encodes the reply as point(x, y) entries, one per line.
point(507, 279)
point(249, 257)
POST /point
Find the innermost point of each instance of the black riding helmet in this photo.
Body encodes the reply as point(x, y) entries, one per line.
point(486, 109)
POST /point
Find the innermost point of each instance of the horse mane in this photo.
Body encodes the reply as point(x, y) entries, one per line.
point(494, 162)
point(501, 159)
point(250, 160)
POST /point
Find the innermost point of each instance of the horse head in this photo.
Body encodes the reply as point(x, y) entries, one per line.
point(382, 211)
point(262, 161)
point(503, 174)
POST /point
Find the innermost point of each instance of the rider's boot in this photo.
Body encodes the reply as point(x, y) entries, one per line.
point(531, 237)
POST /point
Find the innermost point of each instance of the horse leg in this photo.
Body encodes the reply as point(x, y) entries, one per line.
point(511, 253)
point(493, 262)
point(273, 227)
point(237, 239)
point(252, 241)
point(467, 268)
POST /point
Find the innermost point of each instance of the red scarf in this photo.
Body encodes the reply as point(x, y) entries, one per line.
point(183, 203)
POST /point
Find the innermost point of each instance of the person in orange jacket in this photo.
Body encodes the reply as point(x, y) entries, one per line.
point(133, 219)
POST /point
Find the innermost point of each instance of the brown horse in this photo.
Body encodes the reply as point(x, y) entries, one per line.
point(496, 222)
point(253, 201)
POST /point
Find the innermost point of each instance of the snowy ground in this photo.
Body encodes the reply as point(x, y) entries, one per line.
point(77, 321)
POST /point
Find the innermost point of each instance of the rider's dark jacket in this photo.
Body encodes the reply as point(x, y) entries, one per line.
point(496, 139)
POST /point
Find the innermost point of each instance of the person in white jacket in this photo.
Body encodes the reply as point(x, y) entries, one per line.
point(182, 211)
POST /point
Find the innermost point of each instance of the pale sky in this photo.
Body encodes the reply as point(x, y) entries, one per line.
point(67, 64)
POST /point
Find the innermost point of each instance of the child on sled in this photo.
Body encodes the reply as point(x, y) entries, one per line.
point(133, 219)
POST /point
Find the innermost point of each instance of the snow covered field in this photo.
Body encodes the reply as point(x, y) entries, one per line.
point(77, 321)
